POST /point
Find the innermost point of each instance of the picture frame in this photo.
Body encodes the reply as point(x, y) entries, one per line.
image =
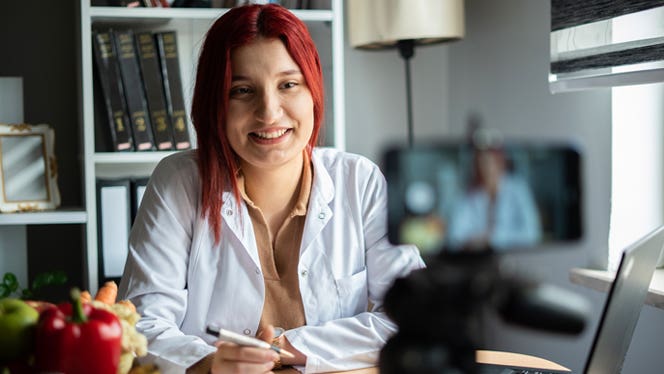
point(28, 168)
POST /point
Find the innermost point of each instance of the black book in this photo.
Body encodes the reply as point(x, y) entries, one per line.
point(133, 89)
point(108, 76)
point(152, 82)
point(170, 72)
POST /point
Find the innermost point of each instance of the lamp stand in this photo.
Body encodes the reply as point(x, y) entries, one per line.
point(407, 50)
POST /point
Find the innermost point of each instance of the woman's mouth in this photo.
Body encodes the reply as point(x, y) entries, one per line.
point(269, 135)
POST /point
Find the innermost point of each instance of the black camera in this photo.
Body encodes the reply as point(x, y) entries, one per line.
point(464, 204)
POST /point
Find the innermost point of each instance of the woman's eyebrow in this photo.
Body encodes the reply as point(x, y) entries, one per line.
point(239, 78)
point(291, 72)
point(288, 72)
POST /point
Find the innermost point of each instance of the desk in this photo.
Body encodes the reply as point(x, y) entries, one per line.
point(373, 370)
point(516, 359)
point(482, 357)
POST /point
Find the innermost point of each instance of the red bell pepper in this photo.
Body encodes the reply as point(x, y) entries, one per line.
point(76, 338)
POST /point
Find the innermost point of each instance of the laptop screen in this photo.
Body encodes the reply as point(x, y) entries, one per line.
point(624, 303)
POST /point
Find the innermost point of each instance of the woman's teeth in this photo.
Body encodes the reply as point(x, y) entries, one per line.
point(271, 134)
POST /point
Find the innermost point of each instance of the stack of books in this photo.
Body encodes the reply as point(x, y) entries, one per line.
point(139, 77)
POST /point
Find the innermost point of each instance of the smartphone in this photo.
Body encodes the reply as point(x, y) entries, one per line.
point(456, 197)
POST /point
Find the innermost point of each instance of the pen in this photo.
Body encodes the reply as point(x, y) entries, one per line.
point(230, 336)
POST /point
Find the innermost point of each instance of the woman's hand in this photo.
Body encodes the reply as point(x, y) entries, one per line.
point(282, 342)
point(232, 358)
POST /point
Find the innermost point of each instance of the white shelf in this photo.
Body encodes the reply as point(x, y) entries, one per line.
point(600, 280)
point(129, 157)
point(51, 217)
point(114, 14)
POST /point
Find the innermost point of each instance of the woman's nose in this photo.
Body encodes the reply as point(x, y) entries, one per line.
point(269, 108)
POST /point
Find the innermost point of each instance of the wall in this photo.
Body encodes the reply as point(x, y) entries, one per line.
point(499, 71)
point(376, 104)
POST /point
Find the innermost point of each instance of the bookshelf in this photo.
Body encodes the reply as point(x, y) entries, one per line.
point(59, 216)
point(326, 27)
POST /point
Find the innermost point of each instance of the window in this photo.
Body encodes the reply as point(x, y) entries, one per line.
point(637, 186)
point(637, 205)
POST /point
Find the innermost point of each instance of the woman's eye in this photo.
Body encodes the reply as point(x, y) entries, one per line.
point(239, 91)
point(289, 84)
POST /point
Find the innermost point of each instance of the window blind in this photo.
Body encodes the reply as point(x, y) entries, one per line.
point(605, 43)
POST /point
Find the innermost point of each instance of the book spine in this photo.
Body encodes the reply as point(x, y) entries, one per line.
point(134, 92)
point(152, 83)
point(108, 75)
point(170, 71)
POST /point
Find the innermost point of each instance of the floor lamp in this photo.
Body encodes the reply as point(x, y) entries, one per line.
point(404, 24)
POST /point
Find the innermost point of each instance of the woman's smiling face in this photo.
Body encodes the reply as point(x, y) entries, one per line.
point(270, 114)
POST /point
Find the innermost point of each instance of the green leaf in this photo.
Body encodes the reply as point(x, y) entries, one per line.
point(59, 278)
point(49, 278)
point(4, 291)
point(9, 280)
point(26, 294)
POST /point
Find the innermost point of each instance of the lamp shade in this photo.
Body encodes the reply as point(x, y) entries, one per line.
point(377, 24)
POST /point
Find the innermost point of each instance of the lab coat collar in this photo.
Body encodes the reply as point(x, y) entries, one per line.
point(238, 221)
point(318, 215)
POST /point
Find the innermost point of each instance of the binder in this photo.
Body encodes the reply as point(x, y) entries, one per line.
point(133, 89)
point(170, 72)
point(152, 82)
point(138, 186)
point(112, 90)
point(113, 225)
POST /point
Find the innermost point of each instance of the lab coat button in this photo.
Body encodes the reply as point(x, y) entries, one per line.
point(246, 332)
point(321, 215)
point(304, 273)
point(258, 271)
point(229, 212)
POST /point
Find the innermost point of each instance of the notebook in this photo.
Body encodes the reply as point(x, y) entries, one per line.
point(620, 314)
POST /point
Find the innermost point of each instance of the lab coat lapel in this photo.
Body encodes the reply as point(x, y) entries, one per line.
point(318, 212)
point(238, 221)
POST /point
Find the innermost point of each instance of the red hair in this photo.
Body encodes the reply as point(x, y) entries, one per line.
point(217, 162)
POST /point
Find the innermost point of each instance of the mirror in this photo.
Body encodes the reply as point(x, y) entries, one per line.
point(28, 169)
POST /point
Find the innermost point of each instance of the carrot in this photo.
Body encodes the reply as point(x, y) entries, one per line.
point(85, 296)
point(107, 293)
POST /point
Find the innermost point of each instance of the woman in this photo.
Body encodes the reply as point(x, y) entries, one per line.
point(257, 228)
point(499, 211)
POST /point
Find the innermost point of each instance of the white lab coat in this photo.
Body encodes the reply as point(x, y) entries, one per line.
point(180, 281)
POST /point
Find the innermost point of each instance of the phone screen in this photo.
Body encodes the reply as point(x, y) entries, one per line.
point(455, 197)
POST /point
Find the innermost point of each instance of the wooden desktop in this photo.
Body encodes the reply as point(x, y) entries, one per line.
point(482, 357)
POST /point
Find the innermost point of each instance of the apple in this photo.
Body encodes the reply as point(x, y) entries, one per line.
point(17, 324)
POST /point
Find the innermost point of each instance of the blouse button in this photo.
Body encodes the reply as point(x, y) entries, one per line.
point(229, 212)
point(246, 331)
point(257, 271)
point(304, 273)
point(321, 215)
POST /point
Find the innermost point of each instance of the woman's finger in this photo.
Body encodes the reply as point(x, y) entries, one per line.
point(233, 352)
point(266, 334)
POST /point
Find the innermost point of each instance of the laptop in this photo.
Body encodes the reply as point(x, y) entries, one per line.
point(621, 311)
